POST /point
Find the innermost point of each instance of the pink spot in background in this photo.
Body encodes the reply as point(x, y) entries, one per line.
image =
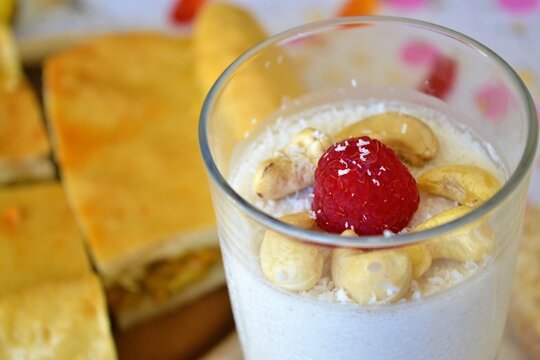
point(519, 6)
point(419, 53)
point(407, 4)
point(493, 99)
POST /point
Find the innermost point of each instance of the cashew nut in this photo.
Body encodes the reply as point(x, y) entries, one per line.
point(420, 258)
point(372, 277)
point(349, 233)
point(289, 263)
point(312, 142)
point(281, 176)
point(467, 184)
point(292, 170)
point(408, 136)
point(470, 242)
point(10, 67)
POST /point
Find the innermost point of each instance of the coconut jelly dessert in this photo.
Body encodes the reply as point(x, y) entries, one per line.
point(373, 167)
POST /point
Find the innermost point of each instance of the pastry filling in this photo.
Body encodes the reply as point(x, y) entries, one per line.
point(163, 279)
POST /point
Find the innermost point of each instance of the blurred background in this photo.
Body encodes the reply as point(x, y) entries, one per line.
point(508, 27)
point(41, 28)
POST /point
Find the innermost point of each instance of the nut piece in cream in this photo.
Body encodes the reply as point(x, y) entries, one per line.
point(288, 263)
point(408, 136)
point(293, 168)
point(466, 184)
point(420, 258)
point(382, 276)
point(470, 242)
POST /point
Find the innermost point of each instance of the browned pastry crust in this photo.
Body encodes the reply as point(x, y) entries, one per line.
point(124, 113)
point(24, 146)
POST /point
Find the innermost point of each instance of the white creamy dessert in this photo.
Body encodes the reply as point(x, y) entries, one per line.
point(432, 320)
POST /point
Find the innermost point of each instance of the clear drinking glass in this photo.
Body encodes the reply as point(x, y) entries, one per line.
point(361, 58)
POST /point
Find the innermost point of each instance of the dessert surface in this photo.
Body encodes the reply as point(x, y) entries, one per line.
point(332, 119)
point(453, 150)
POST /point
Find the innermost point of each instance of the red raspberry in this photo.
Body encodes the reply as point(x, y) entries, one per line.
point(360, 184)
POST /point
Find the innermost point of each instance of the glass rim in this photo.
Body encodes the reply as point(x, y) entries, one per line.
point(368, 241)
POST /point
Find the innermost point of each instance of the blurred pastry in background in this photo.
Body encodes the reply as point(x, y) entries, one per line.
point(60, 320)
point(124, 113)
point(525, 309)
point(39, 240)
point(11, 73)
point(7, 9)
point(50, 301)
point(24, 147)
point(222, 33)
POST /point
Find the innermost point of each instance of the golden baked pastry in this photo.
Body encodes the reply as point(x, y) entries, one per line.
point(6, 10)
point(39, 240)
point(525, 309)
point(222, 33)
point(51, 304)
point(124, 113)
point(61, 320)
point(24, 147)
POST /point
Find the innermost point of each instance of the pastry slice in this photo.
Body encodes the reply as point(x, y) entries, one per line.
point(24, 147)
point(124, 114)
point(62, 320)
point(39, 240)
point(222, 33)
point(51, 304)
